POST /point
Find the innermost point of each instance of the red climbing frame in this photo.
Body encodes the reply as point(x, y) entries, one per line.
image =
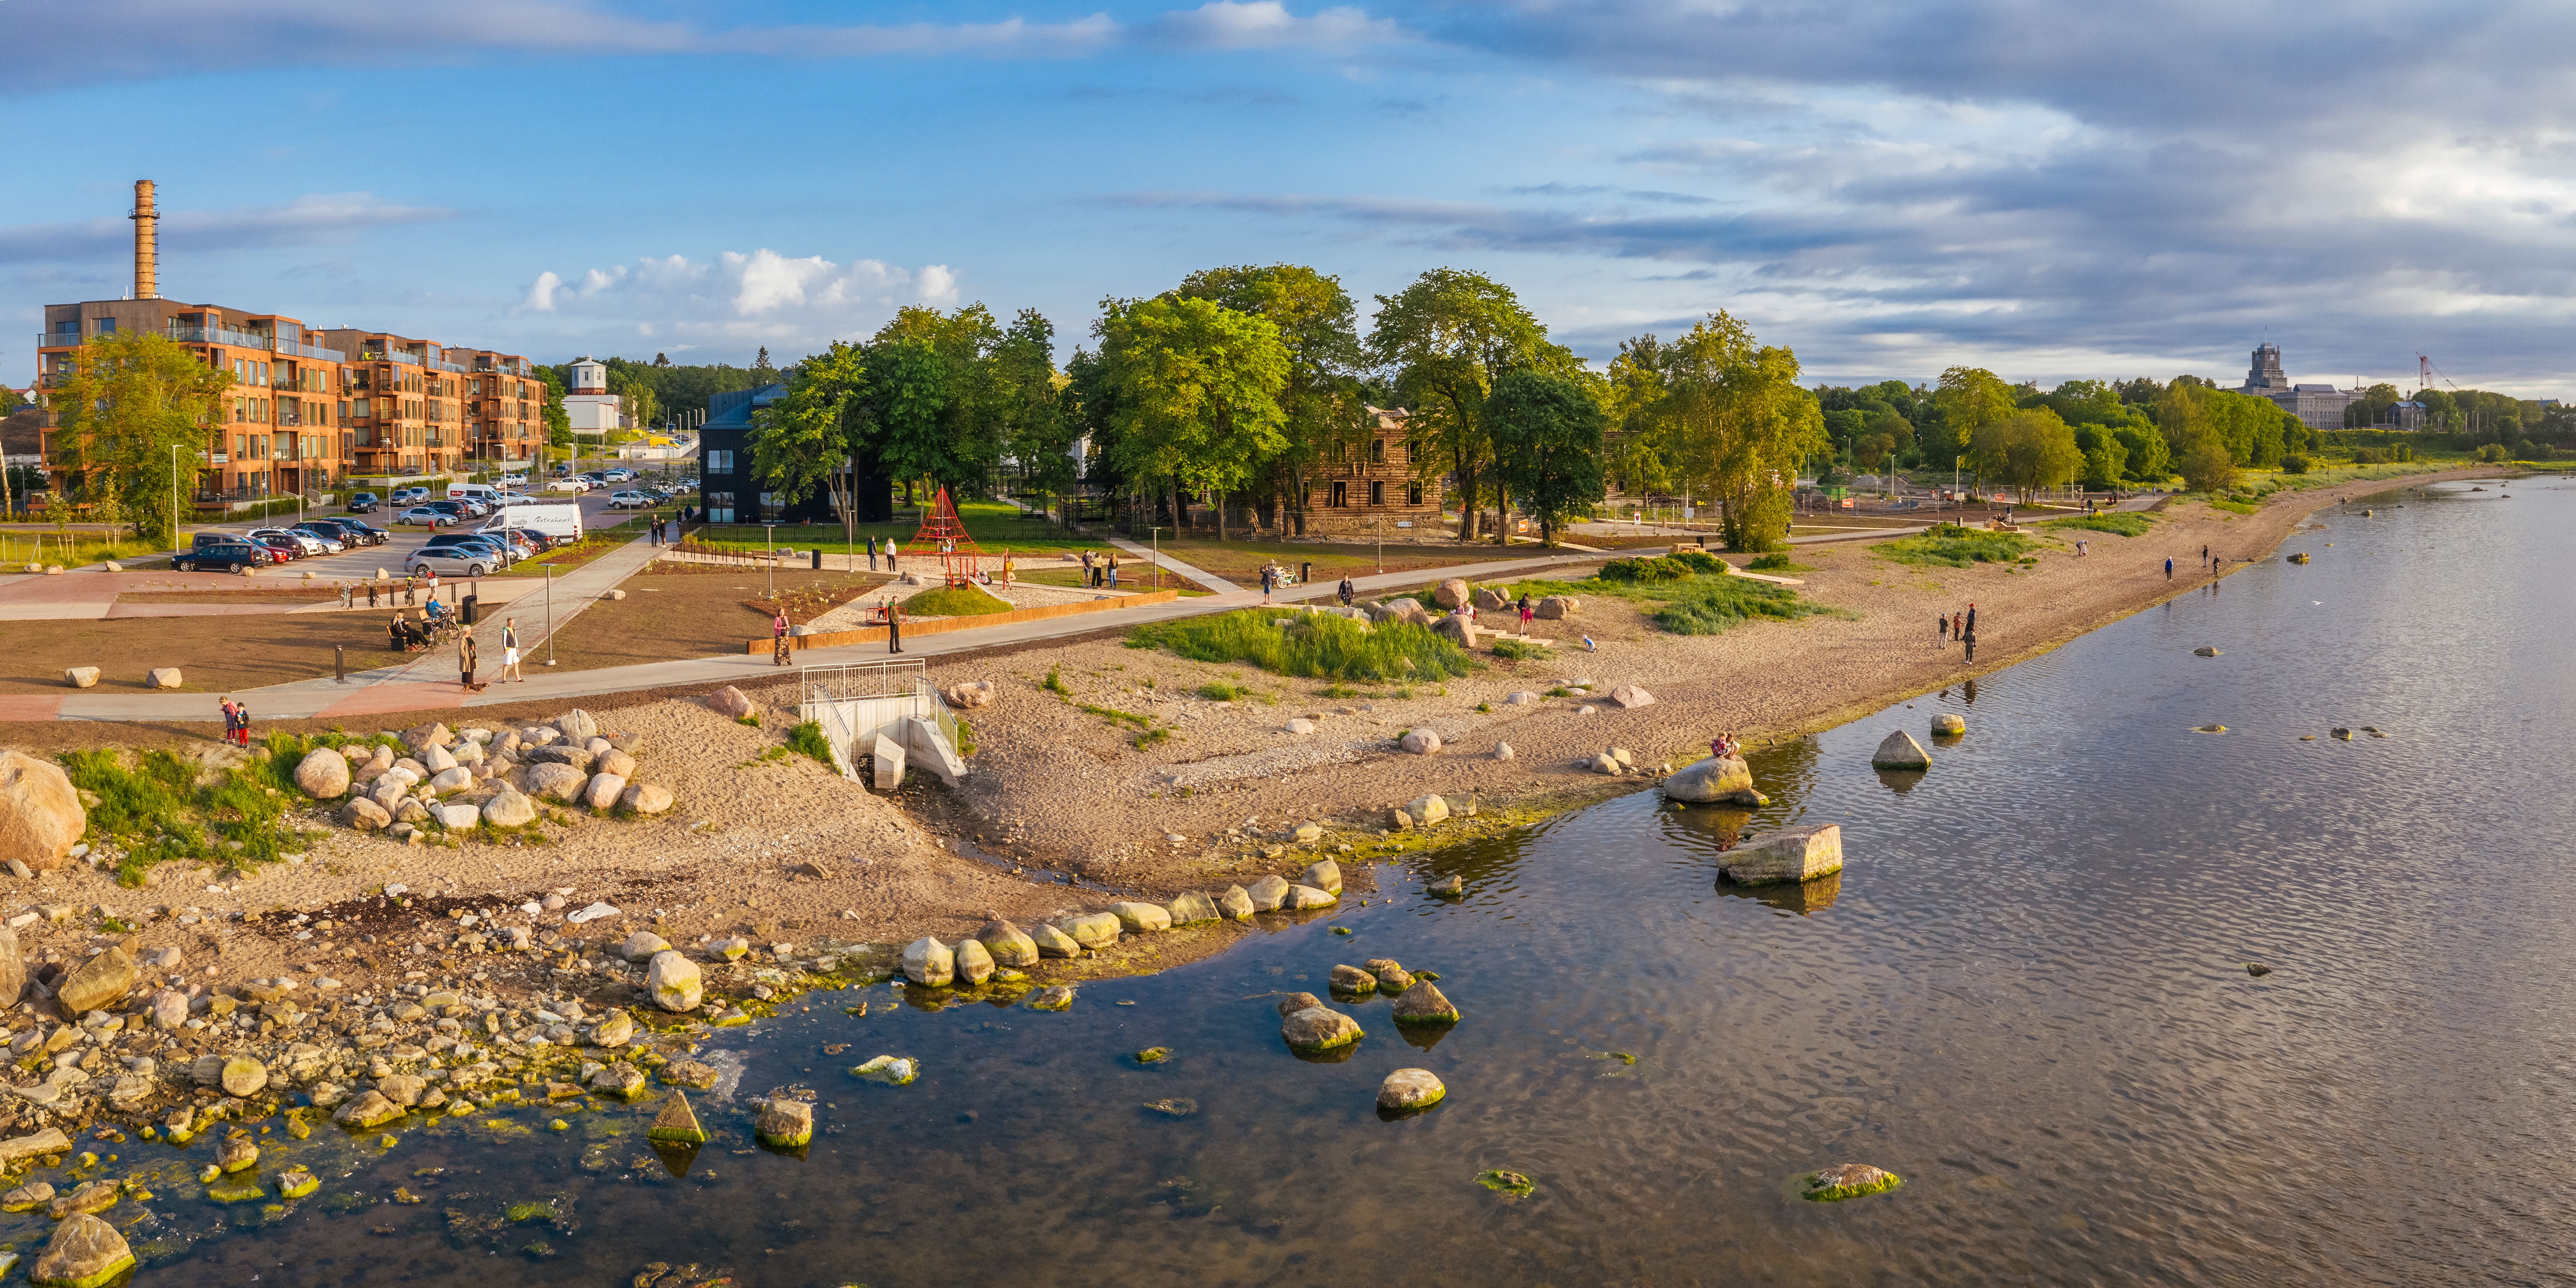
point(941, 530)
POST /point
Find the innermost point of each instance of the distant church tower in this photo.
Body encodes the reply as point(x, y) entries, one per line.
point(2265, 375)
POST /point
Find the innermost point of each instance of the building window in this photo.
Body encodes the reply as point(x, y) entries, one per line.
point(1341, 494)
point(1413, 494)
point(1377, 451)
point(719, 460)
point(1377, 492)
point(719, 507)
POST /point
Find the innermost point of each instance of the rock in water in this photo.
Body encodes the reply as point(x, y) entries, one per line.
point(1849, 1181)
point(101, 982)
point(1428, 809)
point(893, 1071)
point(1268, 893)
point(974, 965)
point(2204, 651)
point(1449, 887)
point(85, 1252)
point(323, 774)
point(928, 962)
point(1291, 1003)
point(1008, 944)
point(40, 815)
point(1947, 725)
point(238, 1153)
point(1424, 1004)
point(1392, 977)
point(1319, 1028)
point(244, 1076)
point(367, 1110)
point(1410, 1089)
point(677, 1123)
point(1351, 981)
point(1053, 942)
point(1790, 854)
point(1424, 741)
point(1324, 874)
point(614, 1030)
point(674, 981)
point(1056, 998)
point(1303, 897)
point(784, 1122)
point(1141, 917)
point(1099, 930)
point(1235, 904)
point(623, 1081)
point(1192, 908)
point(1900, 751)
point(1715, 780)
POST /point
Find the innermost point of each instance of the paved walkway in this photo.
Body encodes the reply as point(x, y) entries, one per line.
point(1207, 579)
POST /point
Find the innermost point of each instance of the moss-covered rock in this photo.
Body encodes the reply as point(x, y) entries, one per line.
point(1847, 1181)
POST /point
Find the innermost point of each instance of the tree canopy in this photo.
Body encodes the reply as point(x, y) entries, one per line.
point(1728, 418)
point(1195, 391)
point(1447, 337)
point(131, 418)
point(1547, 444)
point(2029, 449)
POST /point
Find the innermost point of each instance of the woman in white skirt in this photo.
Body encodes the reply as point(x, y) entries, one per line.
point(510, 652)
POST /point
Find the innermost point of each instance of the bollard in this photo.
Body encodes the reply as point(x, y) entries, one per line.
point(818, 559)
point(339, 664)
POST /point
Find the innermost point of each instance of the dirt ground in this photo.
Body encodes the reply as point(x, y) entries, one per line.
point(1062, 810)
point(671, 613)
point(213, 654)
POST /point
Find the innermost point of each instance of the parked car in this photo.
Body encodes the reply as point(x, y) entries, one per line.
point(520, 547)
point(364, 503)
point(572, 485)
point(463, 561)
point(421, 516)
point(500, 554)
point(311, 543)
point(536, 541)
point(630, 501)
point(282, 547)
point(621, 474)
point(508, 499)
point(354, 534)
point(213, 550)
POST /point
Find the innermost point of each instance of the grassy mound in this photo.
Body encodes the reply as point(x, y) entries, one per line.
point(954, 601)
point(2125, 523)
point(1952, 546)
point(1709, 605)
point(160, 807)
point(1313, 646)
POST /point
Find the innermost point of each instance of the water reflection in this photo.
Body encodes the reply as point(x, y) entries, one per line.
point(1800, 897)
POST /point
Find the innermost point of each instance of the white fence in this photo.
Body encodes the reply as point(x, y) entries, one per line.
point(857, 702)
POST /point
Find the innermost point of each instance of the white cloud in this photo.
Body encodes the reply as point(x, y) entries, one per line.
point(1267, 24)
point(739, 298)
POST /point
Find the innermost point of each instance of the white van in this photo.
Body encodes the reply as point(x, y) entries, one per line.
point(562, 522)
point(489, 495)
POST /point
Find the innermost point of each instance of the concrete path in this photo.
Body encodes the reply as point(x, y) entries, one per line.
point(1207, 579)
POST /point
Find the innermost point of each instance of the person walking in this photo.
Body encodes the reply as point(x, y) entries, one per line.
point(1113, 570)
point(2169, 568)
point(1972, 619)
point(891, 551)
point(1268, 574)
point(1349, 592)
point(465, 661)
point(510, 651)
point(894, 626)
point(778, 638)
point(371, 592)
point(1527, 612)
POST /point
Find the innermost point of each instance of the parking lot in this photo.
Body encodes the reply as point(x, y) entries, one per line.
point(394, 556)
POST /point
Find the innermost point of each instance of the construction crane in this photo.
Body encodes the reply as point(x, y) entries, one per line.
point(2424, 373)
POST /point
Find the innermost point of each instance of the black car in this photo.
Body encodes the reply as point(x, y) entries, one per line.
point(222, 550)
point(364, 503)
point(357, 531)
point(348, 532)
point(281, 548)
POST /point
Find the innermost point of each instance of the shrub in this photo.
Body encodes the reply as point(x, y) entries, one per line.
point(954, 601)
point(1712, 604)
point(1776, 561)
point(159, 810)
point(1698, 561)
point(2294, 463)
point(1516, 650)
point(2369, 456)
point(2126, 523)
point(807, 738)
point(1646, 572)
point(1952, 546)
point(2492, 452)
point(1220, 691)
point(1315, 646)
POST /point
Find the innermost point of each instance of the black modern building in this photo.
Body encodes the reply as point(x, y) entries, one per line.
point(732, 495)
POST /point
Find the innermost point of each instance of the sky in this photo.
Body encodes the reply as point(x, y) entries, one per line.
point(2049, 190)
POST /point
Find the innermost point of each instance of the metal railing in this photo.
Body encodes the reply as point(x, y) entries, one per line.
point(891, 678)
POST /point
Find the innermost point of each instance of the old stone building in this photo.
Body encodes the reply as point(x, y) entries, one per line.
point(1364, 488)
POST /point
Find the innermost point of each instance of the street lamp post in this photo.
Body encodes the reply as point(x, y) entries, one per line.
point(769, 548)
point(550, 614)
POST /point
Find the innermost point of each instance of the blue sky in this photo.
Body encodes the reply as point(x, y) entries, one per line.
point(2050, 190)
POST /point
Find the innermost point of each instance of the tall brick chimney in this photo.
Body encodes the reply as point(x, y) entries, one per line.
point(147, 243)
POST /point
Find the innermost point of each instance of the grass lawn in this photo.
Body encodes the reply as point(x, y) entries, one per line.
point(954, 601)
point(213, 654)
point(2125, 523)
point(1952, 546)
point(563, 559)
point(1313, 646)
point(1690, 603)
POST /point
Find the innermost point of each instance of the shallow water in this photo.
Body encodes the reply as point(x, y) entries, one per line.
point(2027, 996)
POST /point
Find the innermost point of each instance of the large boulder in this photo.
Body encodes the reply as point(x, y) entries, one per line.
point(1557, 607)
point(565, 754)
point(509, 808)
point(1319, 1028)
point(1008, 944)
point(1401, 610)
point(1424, 741)
point(100, 983)
point(1426, 810)
point(1450, 593)
point(930, 963)
point(1489, 600)
point(81, 677)
point(1790, 854)
point(784, 1121)
point(673, 981)
point(1456, 630)
point(1948, 725)
point(437, 760)
point(1053, 942)
point(577, 725)
point(367, 1109)
point(1717, 779)
point(1900, 751)
point(420, 738)
point(365, 814)
point(1268, 893)
point(162, 677)
point(729, 703)
point(1191, 908)
point(244, 1075)
point(1410, 1089)
point(454, 778)
point(974, 965)
point(640, 946)
point(559, 783)
point(603, 791)
point(13, 969)
point(613, 761)
point(1098, 930)
point(85, 1252)
point(1351, 981)
point(646, 798)
point(1629, 695)
point(970, 694)
point(1141, 917)
point(1423, 1004)
point(1302, 897)
point(1236, 903)
point(323, 774)
point(40, 815)
point(1324, 874)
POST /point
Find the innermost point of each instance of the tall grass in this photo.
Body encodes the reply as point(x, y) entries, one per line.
point(1709, 605)
point(1952, 546)
point(2126, 523)
point(163, 808)
point(1313, 646)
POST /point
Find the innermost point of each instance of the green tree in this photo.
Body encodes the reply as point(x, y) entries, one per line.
point(1970, 398)
point(2199, 450)
point(2029, 449)
point(1731, 422)
point(1323, 400)
point(130, 420)
point(1449, 336)
point(907, 397)
point(558, 421)
point(1029, 394)
point(808, 438)
point(1196, 393)
point(973, 419)
point(1547, 432)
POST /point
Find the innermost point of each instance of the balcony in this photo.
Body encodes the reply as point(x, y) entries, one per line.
point(391, 355)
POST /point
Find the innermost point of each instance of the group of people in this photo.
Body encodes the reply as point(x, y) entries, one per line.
point(1961, 627)
point(886, 548)
point(236, 723)
point(1101, 571)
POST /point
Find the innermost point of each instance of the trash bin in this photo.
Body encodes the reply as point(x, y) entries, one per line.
point(818, 559)
point(473, 603)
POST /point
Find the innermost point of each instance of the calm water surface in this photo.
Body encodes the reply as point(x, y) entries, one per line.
point(2027, 995)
